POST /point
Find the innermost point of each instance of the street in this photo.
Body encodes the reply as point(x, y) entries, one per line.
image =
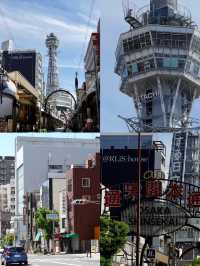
point(67, 260)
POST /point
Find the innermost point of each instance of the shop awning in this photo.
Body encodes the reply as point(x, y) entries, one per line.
point(69, 235)
point(38, 237)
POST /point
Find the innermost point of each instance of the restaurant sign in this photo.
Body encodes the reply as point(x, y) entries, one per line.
point(157, 217)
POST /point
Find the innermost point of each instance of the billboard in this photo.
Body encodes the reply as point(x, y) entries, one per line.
point(24, 62)
point(120, 166)
point(120, 173)
point(178, 156)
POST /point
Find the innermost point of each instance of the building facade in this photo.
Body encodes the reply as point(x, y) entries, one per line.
point(119, 160)
point(83, 199)
point(185, 167)
point(7, 169)
point(88, 96)
point(28, 63)
point(35, 155)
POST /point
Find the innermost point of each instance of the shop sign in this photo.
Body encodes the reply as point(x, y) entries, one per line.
point(157, 217)
point(178, 156)
point(113, 198)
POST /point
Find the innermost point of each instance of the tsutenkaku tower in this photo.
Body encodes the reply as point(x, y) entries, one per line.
point(158, 61)
point(52, 43)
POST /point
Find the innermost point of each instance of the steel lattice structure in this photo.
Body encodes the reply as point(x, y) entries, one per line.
point(52, 43)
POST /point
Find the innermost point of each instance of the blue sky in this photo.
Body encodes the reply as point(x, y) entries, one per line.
point(113, 102)
point(7, 140)
point(28, 23)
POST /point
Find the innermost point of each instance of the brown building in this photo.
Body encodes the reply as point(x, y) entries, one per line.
point(83, 204)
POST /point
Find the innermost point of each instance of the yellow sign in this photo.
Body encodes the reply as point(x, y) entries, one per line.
point(97, 232)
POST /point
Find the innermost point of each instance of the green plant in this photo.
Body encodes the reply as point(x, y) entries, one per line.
point(43, 223)
point(8, 239)
point(112, 239)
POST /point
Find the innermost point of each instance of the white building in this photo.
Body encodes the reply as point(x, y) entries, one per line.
point(35, 155)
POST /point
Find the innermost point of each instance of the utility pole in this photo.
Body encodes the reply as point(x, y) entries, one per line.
point(138, 204)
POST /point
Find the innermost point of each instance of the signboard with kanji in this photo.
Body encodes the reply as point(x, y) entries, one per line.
point(113, 199)
point(178, 155)
point(120, 172)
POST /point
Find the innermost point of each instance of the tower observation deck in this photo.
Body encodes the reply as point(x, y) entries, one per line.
point(158, 61)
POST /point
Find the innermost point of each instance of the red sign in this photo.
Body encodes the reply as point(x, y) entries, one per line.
point(175, 191)
point(194, 199)
point(153, 188)
point(112, 198)
point(131, 190)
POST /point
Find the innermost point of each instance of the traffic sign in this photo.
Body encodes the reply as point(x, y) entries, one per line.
point(52, 216)
point(151, 253)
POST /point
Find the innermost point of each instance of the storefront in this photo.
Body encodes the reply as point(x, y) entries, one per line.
point(8, 105)
point(27, 113)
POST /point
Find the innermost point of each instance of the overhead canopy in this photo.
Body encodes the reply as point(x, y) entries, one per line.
point(69, 235)
point(10, 88)
point(26, 87)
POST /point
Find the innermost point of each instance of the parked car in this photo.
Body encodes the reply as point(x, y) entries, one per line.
point(14, 255)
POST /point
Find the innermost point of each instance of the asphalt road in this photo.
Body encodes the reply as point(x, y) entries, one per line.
point(67, 260)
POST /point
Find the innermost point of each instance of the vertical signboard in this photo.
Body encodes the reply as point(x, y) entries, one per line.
point(178, 156)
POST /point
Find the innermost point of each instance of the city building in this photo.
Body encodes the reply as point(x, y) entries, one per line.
point(7, 169)
point(158, 62)
point(83, 206)
point(119, 160)
point(27, 62)
point(5, 197)
point(185, 167)
point(88, 96)
point(12, 197)
point(36, 162)
point(31, 204)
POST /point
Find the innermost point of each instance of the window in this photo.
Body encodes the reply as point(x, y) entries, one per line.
point(85, 182)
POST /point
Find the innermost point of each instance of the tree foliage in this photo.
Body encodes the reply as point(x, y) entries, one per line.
point(8, 239)
point(113, 238)
point(43, 223)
